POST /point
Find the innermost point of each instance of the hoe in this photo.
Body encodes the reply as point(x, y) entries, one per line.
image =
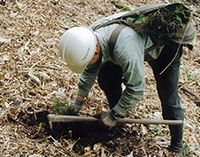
point(65, 118)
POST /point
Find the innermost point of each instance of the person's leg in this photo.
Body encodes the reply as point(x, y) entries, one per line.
point(110, 80)
point(167, 86)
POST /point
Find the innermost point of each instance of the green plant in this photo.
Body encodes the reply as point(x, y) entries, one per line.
point(164, 22)
point(197, 83)
point(121, 5)
point(185, 150)
point(126, 8)
point(188, 76)
point(60, 106)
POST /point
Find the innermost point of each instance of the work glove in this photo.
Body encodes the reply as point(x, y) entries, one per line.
point(108, 118)
point(75, 107)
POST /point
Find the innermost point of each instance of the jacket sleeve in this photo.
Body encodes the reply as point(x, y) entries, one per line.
point(87, 78)
point(129, 54)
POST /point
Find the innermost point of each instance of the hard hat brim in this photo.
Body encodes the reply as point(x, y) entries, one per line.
point(76, 69)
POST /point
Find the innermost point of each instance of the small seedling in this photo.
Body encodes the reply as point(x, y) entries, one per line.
point(60, 106)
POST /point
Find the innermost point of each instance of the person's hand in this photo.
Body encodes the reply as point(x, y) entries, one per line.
point(108, 118)
point(75, 107)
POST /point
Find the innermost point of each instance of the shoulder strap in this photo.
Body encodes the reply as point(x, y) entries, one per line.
point(113, 38)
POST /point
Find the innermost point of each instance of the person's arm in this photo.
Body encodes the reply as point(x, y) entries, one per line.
point(85, 82)
point(87, 78)
point(129, 54)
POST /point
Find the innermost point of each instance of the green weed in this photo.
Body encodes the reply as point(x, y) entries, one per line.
point(60, 106)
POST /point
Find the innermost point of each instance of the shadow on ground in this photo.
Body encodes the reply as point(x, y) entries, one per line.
point(90, 133)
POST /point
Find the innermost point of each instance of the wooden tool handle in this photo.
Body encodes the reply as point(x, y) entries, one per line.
point(66, 118)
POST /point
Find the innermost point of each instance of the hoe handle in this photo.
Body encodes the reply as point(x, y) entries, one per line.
point(65, 118)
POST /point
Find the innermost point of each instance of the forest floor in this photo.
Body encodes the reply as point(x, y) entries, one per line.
point(33, 79)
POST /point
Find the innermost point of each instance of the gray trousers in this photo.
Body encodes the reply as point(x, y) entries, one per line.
point(110, 80)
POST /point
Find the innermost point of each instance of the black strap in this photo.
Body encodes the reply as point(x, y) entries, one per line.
point(114, 37)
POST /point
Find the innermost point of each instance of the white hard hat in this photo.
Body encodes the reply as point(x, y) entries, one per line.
point(77, 47)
